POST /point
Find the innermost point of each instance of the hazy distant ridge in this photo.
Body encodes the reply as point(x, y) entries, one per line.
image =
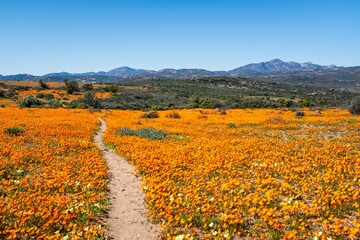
point(273, 66)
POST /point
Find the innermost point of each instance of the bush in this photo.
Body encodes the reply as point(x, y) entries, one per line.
point(71, 86)
point(91, 100)
point(77, 104)
point(43, 85)
point(299, 114)
point(29, 101)
point(54, 103)
point(149, 133)
point(45, 95)
point(173, 115)
point(355, 106)
point(15, 131)
point(152, 114)
point(87, 86)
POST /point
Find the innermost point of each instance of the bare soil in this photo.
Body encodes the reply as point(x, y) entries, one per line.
point(127, 212)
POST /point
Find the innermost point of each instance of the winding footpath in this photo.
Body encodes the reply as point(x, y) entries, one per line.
point(127, 212)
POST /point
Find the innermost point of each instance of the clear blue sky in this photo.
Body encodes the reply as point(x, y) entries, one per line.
point(42, 36)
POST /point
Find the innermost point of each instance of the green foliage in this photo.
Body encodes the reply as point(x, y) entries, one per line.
point(54, 103)
point(113, 88)
point(355, 106)
point(91, 100)
point(88, 86)
point(45, 95)
point(29, 101)
point(152, 114)
point(43, 85)
point(2, 94)
point(231, 125)
point(77, 104)
point(15, 131)
point(149, 133)
point(71, 86)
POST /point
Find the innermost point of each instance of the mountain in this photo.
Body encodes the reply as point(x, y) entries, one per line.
point(17, 77)
point(276, 65)
point(276, 70)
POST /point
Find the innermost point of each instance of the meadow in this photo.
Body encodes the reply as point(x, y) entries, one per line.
point(206, 174)
point(249, 174)
point(52, 176)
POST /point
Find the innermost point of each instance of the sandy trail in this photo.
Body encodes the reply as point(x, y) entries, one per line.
point(127, 213)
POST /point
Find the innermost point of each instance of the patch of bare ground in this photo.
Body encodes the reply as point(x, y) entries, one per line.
point(127, 217)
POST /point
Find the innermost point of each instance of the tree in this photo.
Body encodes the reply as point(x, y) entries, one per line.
point(43, 85)
point(71, 86)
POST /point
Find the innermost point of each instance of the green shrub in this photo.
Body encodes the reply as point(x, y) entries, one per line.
point(15, 131)
point(71, 86)
point(54, 103)
point(29, 101)
point(45, 95)
point(355, 106)
point(149, 133)
point(77, 104)
point(231, 125)
point(152, 114)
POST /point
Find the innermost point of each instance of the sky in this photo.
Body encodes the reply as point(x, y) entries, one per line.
point(43, 36)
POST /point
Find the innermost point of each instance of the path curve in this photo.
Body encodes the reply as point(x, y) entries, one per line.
point(127, 212)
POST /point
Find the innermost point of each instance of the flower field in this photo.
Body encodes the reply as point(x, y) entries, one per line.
point(52, 176)
point(249, 174)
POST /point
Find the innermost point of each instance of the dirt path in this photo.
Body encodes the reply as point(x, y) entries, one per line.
point(127, 212)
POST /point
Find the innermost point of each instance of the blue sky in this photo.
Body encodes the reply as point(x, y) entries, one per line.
point(42, 36)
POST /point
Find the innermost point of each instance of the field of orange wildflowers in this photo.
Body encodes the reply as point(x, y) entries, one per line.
point(249, 174)
point(52, 176)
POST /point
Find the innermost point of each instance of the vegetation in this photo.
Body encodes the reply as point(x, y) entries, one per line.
point(152, 114)
point(16, 131)
point(43, 85)
point(149, 133)
point(266, 175)
point(71, 86)
point(48, 189)
point(355, 106)
point(29, 101)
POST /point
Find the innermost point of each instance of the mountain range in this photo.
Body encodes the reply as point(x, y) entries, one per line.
point(273, 66)
point(276, 70)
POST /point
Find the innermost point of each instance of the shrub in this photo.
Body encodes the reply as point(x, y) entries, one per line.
point(54, 103)
point(299, 114)
point(231, 125)
point(355, 106)
point(45, 95)
point(77, 104)
point(152, 114)
point(43, 85)
point(15, 131)
point(71, 86)
point(149, 133)
point(88, 86)
point(2, 105)
point(91, 100)
point(29, 101)
point(174, 115)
